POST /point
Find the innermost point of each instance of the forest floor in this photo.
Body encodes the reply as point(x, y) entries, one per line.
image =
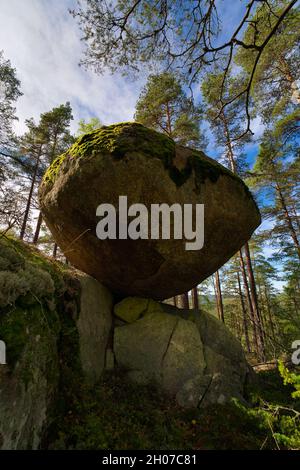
point(120, 415)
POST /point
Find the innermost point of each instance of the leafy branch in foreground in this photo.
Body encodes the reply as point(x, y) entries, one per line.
point(183, 35)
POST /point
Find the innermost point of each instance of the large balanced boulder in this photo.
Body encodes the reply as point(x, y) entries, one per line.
point(189, 354)
point(55, 324)
point(149, 168)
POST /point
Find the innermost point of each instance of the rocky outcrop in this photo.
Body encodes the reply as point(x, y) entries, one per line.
point(55, 323)
point(147, 167)
point(94, 326)
point(186, 353)
point(60, 332)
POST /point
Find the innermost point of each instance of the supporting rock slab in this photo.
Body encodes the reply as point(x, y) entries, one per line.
point(189, 354)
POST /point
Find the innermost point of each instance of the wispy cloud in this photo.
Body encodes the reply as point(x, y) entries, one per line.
point(42, 41)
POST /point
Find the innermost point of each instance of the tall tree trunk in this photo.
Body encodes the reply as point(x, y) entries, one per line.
point(244, 313)
point(246, 287)
point(296, 216)
point(254, 301)
point(288, 218)
point(29, 199)
point(219, 296)
point(185, 300)
point(253, 296)
point(230, 154)
point(195, 300)
point(285, 69)
point(169, 125)
point(216, 297)
point(37, 229)
point(54, 254)
point(261, 304)
point(269, 311)
point(253, 304)
point(237, 326)
point(40, 218)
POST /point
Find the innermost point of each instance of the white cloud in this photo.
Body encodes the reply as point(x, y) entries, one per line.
point(42, 41)
point(257, 127)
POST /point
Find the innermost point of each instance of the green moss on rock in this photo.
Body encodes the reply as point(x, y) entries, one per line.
point(41, 305)
point(120, 139)
point(131, 309)
point(117, 140)
point(32, 291)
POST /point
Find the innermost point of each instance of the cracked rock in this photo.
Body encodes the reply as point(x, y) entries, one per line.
point(188, 354)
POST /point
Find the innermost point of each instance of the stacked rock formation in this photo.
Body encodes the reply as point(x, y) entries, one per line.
point(188, 354)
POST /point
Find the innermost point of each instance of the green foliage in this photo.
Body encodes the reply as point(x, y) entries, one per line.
point(226, 123)
point(28, 280)
point(145, 419)
point(28, 285)
point(142, 419)
point(290, 378)
point(19, 277)
point(48, 138)
point(38, 319)
point(188, 38)
point(86, 127)
point(9, 93)
point(275, 81)
point(37, 148)
point(164, 106)
point(279, 409)
point(276, 172)
point(55, 126)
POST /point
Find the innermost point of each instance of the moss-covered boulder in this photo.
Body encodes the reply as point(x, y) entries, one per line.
point(188, 354)
point(131, 309)
point(130, 160)
point(55, 324)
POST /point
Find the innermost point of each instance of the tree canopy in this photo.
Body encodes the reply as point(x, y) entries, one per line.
point(9, 93)
point(183, 35)
point(164, 106)
point(87, 126)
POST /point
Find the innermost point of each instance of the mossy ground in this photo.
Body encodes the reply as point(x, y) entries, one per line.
point(29, 310)
point(119, 415)
point(28, 283)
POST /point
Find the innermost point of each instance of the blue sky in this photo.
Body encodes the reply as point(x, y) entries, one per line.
point(42, 40)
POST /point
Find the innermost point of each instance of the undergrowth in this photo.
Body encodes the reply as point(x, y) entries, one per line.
point(120, 415)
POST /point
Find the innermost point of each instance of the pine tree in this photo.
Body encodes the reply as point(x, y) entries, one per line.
point(10, 208)
point(55, 127)
point(183, 36)
point(9, 93)
point(226, 125)
point(41, 144)
point(32, 144)
point(275, 82)
point(88, 126)
point(277, 173)
point(164, 106)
